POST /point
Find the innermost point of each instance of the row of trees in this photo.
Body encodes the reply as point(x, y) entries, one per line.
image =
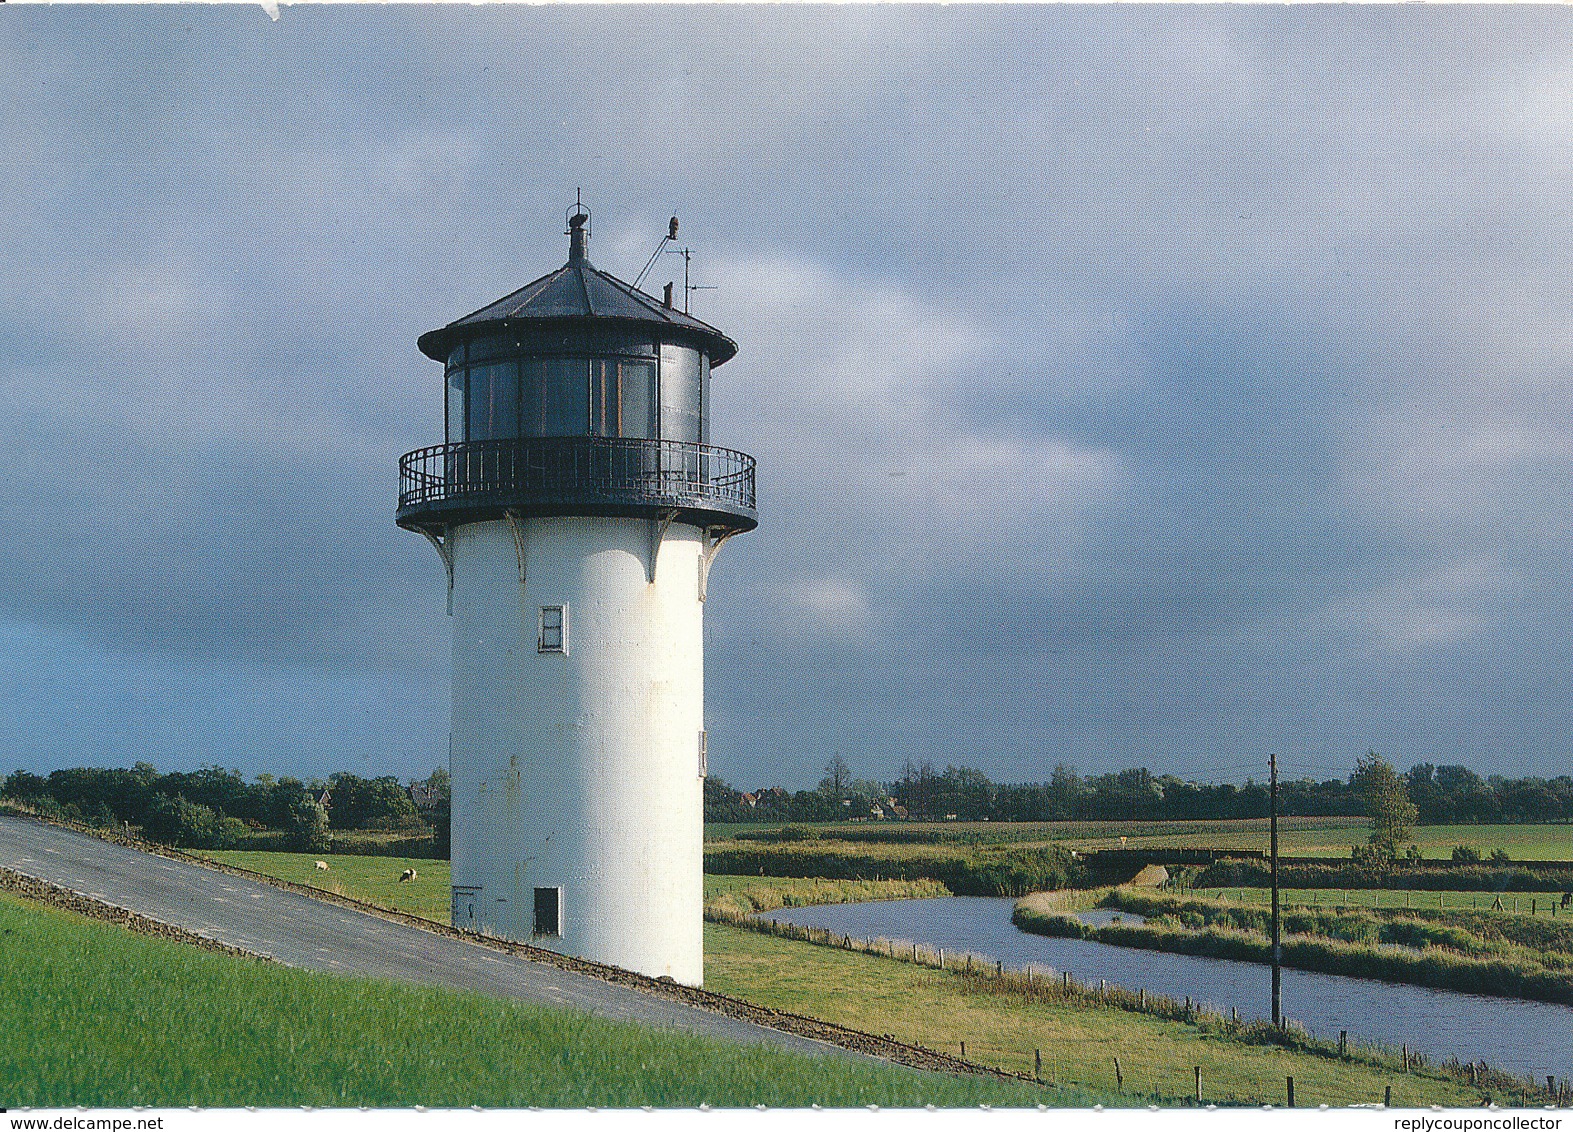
point(214, 808)
point(1439, 795)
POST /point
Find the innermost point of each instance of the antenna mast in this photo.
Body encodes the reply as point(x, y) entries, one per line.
point(671, 234)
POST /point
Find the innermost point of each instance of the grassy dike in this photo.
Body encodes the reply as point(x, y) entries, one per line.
point(97, 1016)
point(1079, 1037)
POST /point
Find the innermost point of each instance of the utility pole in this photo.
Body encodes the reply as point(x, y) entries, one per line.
point(1272, 811)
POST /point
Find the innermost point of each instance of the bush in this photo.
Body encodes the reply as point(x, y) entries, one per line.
point(306, 823)
point(191, 825)
point(1522, 876)
point(965, 871)
point(1466, 854)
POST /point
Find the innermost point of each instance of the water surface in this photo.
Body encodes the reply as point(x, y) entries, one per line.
point(1531, 1038)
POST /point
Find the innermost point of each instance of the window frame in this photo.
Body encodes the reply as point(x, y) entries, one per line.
point(561, 628)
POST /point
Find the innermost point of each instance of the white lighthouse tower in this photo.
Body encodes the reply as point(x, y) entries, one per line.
point(577, 506)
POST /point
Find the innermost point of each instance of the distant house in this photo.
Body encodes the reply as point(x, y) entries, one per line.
point(750, 800)
point(877, 813)
point(326, 799)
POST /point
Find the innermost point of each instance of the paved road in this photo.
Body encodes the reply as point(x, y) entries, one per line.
point(303, 932)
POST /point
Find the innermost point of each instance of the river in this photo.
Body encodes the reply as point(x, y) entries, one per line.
point(1529, 1038)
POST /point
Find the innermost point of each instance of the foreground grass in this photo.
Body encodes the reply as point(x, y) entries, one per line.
point(941, 1009)
point(97, 1016)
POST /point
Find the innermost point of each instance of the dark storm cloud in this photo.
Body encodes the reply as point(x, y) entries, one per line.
point(1129, 386)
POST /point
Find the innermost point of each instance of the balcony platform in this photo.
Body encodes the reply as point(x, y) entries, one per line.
point(700, 484)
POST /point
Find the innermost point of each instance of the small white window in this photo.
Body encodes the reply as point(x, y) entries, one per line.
point(704, 755)
point(554, 629)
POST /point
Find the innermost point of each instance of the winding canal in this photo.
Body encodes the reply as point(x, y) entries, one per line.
point(1530, 1038)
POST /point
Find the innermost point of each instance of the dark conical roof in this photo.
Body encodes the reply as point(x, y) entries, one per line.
point(576, 292)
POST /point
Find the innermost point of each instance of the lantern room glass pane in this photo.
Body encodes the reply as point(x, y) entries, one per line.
point(493, 402)
point(622, 397)
point(555, 397)
point(455, 422)
point(682, 394)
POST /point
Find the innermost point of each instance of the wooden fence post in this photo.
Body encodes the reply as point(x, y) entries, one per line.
point(1387, 1097)
point(1037, 1065)
point(1198, 1084)
point(1343, 1043)
point(1406, 1058)
point(1119, 1077)
point(964, 1051)
point(1291, 1092)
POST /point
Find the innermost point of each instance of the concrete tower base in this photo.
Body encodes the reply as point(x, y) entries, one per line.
point(577, 789)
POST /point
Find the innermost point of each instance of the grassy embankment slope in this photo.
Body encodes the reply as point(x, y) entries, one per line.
point(940, 1009)
point(98, 1016)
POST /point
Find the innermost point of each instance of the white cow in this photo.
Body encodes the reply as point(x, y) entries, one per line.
point(323, 865)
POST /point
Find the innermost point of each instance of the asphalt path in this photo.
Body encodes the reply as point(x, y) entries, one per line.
point(302, 932)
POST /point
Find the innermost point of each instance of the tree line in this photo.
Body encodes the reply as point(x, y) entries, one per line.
point(1440, 795)
point(214, 808)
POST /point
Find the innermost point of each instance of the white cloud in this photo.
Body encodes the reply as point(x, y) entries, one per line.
point(1440, 607)
point(857, 398)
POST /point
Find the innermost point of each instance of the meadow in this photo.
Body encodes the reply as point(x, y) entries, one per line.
point(941, 1009)
point(374, 880)
point(1297, 836)
point(100, 1017)
point(1520, 903)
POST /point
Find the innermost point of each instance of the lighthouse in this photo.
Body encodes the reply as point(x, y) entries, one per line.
point(578, 506)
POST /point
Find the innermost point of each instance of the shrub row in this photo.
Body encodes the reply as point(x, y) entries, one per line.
point(1523, 877)
point(1430, 968)
point(1348, 926)
point(964, 871)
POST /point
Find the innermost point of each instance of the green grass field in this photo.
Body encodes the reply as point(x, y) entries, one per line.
point(1520, 903)
point(1311, 837)
point(372, 879)
point(940, 1009)
point(98, 1016)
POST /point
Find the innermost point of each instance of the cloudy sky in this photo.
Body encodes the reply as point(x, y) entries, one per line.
point(1129, 386)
